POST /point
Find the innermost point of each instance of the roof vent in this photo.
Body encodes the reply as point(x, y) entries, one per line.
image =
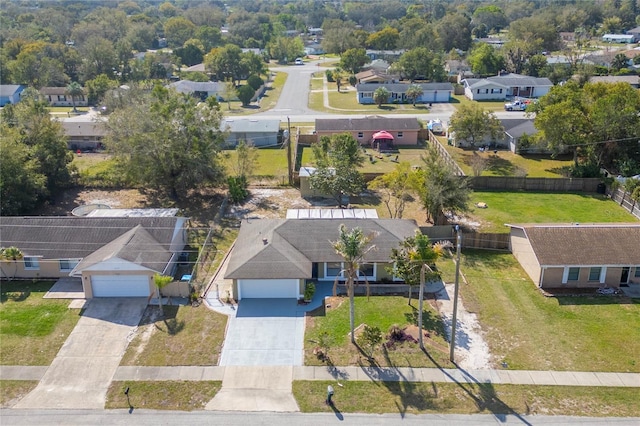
point(265, 241)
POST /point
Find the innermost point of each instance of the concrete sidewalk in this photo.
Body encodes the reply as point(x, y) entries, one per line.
point(402, 374)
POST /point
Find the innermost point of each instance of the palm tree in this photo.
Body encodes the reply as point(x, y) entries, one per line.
point(337, 76)
point(13, 254)
point(74, 89)
point(161, 282)
point(352, 245)
point(381, 95)
point(414, 91)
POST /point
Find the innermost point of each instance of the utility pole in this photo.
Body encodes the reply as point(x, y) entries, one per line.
point(455, 295)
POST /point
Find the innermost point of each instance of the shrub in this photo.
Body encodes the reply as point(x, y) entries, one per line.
point(255, 81)
point(237, 188)
point(245, 93)
point(329, 75)
point(369, 339)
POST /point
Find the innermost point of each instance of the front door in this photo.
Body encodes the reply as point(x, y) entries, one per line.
point(624, 277)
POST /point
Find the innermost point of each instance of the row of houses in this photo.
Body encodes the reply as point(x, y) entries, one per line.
point(116, 253)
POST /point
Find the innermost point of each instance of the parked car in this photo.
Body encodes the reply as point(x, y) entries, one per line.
point(436, 126)
point(299, 61)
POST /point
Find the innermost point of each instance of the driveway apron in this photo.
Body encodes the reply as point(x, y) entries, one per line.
point(265, 332)
point(80, 374)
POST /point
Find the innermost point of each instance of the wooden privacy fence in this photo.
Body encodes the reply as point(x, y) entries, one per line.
point(621, 197)
point(514, 183)
point(470, 240)
point(444, 154)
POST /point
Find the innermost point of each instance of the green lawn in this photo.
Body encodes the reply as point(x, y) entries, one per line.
point(32, 329)
point(376, 162)
point(381, 312)
point(541, 207)
point(462, 398)
point(164, 395)
point(186, 336)
point(507, 163)
point(271, 162)
point(529, 331)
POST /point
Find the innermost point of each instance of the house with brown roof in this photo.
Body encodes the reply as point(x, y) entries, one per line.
point(404, 130)
point(578, 255)
point(273, 258)
point(111, 256)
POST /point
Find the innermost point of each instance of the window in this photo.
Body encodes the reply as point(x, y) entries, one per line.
point(367, 270)
point(62, 98)
point(400, 134)
point(574, 274)
point(595, 273)
point(31, 263)
point(360, 134)
point(67, 264)
point(367, 94)
point(637, 274)
point(333, 269)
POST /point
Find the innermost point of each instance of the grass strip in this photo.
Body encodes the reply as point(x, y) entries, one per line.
point(165, 395)
point(12, 390)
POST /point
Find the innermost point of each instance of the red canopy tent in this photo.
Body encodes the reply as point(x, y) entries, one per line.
point(382, 140)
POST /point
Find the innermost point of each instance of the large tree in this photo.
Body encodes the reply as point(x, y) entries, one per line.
point(168, 141)
point(75, 90)
point(421, 62)
point(225, 63)
point(353, 60)
point(441, 191)
point(352, 245)
point(473, 124)
point(485, 60)
point(29, 123)
point(396, 188)
point(337, 159)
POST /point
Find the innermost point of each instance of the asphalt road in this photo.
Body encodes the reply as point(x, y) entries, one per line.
point(196, 418)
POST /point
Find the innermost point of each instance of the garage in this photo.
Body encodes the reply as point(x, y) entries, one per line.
point(268, 289)
point(120, 285)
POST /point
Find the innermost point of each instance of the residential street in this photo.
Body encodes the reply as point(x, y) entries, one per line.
point(155, 418)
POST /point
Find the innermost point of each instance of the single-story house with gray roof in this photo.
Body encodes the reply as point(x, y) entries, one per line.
point(258, 132)
point(431, 92)
point(506, 86)
point(10, 93)
point(273, 258)
point(200, 90)
point(578, 255)
point(84, 135)
point(112, 256)
point(404, 130)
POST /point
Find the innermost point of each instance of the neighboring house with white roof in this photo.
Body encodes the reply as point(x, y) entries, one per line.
point(273, 258)
point(578, 255)
point(431, 92)
point(10, 93)
point(506, 86)
point(258, 132)
point(200, 90)
point(619, 38)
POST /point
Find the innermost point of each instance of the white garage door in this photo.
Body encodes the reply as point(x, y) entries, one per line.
point(268, 289)
point(120, 285)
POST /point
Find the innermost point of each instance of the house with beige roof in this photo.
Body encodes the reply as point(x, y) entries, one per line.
point(273, 258)
point(578, 255)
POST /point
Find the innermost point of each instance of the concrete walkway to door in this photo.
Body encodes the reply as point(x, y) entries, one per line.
point(80, 374)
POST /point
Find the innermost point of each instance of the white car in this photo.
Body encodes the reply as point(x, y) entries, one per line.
point(299, 61)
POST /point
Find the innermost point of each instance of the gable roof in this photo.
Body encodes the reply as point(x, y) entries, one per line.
point(369, 123)
point(513, 80)
point(77, 129)
point(69, 237)
point(584, 244)
point(516, 127)
point(7, 90)
point(136, 246)
point(293, 245)
point(402, 87)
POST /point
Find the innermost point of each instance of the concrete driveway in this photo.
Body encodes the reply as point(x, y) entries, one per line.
point(265, 332)
point(80, 374)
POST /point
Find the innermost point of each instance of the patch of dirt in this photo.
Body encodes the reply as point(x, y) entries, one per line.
point(269, 203)
point(332, 302)
point(145, 332)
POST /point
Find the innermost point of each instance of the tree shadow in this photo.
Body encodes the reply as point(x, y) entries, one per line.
point(430, 321)
point(387, 108)
point(15, 296)
point(165, 321)
point(500, 166)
